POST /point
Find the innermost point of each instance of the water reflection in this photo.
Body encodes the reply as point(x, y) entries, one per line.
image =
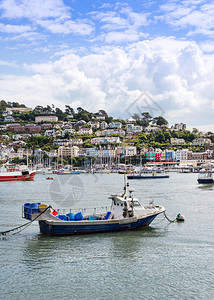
point(40, 250)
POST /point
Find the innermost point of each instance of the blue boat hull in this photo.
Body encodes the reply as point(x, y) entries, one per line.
point(206, 181)
point(66, 229)
point(69, 173)
point(147, 177)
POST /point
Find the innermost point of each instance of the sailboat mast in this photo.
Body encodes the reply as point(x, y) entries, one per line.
point(71, 157)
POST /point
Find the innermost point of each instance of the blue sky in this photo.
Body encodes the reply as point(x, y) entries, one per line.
point(123, 57)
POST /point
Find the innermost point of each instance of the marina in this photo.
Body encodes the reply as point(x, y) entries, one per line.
point(162, 256)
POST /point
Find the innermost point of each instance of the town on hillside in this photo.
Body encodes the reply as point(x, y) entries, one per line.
point(49, 136)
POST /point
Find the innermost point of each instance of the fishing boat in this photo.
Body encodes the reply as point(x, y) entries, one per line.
point(11, 172)
point(205, 177)
point(125, 213)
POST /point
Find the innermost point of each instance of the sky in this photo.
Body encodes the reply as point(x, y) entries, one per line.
point(124, 57)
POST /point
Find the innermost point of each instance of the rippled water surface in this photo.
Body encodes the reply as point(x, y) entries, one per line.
point(163, 261)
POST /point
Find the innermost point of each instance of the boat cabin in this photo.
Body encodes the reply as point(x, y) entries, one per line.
point(124, 205)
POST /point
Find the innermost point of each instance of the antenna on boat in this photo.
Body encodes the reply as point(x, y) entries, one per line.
point(125, 186)
point(125, 181)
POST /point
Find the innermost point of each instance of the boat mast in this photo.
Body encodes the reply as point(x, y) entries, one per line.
point(71, 158)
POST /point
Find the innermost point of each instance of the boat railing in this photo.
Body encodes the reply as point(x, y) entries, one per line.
point(85, 211)
point(205, 175)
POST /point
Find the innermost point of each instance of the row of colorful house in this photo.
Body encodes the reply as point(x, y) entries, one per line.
point(72, 150)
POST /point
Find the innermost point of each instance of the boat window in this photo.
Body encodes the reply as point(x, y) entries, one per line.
point(136, 203)
point(121, 204)
point(114, 203)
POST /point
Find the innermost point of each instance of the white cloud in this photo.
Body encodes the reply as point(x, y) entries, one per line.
point(9, 64)
point(40, 9)
point(14, 28)
point(121, 24)
point(195, 16)
point(66, 27)
point(52, 15)
point(177, 75)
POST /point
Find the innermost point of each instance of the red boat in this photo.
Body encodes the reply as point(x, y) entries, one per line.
point(9, 172)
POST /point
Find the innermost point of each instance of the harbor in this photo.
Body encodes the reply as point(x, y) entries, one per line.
point(165, 260)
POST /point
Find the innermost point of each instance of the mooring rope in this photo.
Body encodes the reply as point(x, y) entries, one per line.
point(24, 225)
point(171, 221)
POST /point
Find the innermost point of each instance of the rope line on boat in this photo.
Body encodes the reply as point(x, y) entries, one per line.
point(24, 225)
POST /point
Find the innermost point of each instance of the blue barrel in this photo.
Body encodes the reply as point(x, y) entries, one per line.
point(34, 208)
point(78, 216)
point(27, 211)
point(63, 217)
point(70, 216)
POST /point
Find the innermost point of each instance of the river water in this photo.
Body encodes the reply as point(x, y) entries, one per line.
point(163, 261)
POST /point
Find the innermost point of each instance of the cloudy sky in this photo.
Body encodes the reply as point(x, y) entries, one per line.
point(123, 57)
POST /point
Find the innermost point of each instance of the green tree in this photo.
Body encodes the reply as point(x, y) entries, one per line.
point(145, 119)
point(160, 121)
point(159, 137)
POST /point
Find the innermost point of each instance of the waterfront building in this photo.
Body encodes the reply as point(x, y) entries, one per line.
point(91, 152)
point(182, 154)
point(169, 155)
point(130, 150)
point(107, 152)
point(120, 152)
point(65, 151)
point(151, 155)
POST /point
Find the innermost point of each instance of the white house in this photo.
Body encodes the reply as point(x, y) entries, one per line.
point(131, 128)
point(115, 125)
point(149, 129)
point(131, 150)
point(103, 125)
point(201, 142)
point(175, 141)
point(85, 131)
point(50, 132)
point(46, 119)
